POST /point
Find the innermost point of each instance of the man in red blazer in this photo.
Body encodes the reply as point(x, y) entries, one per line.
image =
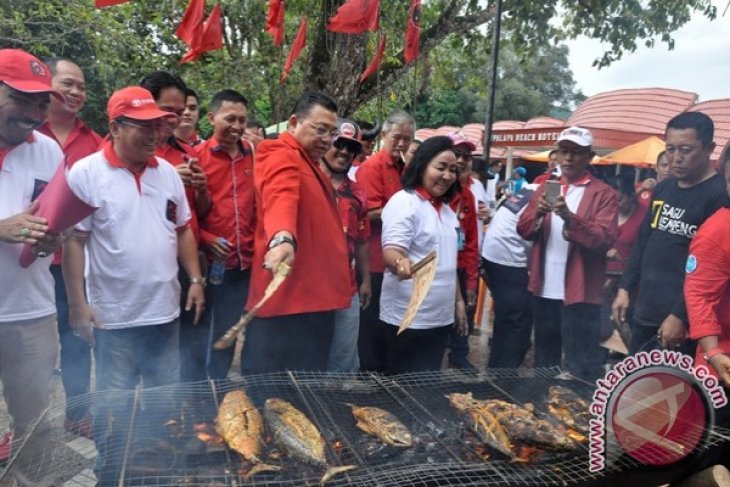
point(297, 223)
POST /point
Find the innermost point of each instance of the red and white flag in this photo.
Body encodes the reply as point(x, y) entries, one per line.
point(356, 17)
point(413, 32)
point(275, 21)
point(210, 39)
point(300, 41)
point(190, 29)
point(375, 62)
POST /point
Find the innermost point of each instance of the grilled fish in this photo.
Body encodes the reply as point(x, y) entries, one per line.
point(241, 426)
point(382, 425)
point(570, 409)
point(296, 434)
point(482, 421)
point(522, 426)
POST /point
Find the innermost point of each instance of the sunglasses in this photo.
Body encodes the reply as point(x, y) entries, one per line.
point(350, 146)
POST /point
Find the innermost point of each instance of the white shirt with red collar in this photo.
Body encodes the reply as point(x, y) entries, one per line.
point(25, 169)
point(556, 249)
point(132, 270)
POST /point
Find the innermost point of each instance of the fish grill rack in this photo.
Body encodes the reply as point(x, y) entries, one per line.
point(158, 445)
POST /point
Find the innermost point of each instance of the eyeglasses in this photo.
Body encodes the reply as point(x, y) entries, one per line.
point(350, 146)
point(464, 154)
point(322, 131)
point(155, 126)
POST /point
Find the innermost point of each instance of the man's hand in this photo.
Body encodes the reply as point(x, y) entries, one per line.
point(366, 292)
point(462, 327)
point(220, 249)
point(648, 184)
point(196, 297)
point(185, 173)
point(198, 178)
point(672, 332)
point(281, 253)
point(23, 228)
point(560, 208)
point(402, 268)
point(83, 320)
point(47, 245)
point(543, 206)
point(620, 306)
point(721, 364)
point(483, 211)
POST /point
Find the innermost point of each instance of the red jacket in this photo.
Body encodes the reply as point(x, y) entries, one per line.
point(592, 231)
point(379, 177)
point(465, 207)
point(706, 284)
point(232, 215)
point(293, 194)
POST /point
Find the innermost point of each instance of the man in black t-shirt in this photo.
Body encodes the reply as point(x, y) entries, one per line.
point(679, 205)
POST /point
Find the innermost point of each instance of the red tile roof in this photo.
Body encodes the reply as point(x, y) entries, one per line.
point(719, 112)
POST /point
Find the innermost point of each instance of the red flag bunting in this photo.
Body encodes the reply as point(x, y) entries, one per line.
point(356, 17)
point(210, 39)
point(190, 29)
point(296, 48)
point(413, 32)
point(375, 62)
point(275, 21)
point(108, 3)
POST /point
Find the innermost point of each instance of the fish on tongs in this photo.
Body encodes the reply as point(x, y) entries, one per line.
point(571, 410)
point(482, 422)
point(298, 436)
point(242, 427)
point(382, 425)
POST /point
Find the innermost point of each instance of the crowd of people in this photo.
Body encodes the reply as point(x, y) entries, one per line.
point(186, 234)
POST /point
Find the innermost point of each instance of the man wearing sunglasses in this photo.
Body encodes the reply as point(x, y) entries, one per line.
point(351, 203)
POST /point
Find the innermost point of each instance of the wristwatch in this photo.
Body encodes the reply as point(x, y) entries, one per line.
point(276, 241)
point(197, 280)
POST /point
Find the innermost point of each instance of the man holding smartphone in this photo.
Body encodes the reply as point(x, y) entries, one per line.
point(572, 227)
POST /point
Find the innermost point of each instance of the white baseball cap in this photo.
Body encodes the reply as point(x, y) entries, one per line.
point(580, 136)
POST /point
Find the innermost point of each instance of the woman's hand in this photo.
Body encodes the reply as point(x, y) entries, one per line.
point(461, 324)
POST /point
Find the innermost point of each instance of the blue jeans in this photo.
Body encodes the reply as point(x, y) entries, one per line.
point(343, 351)
point(123, 359)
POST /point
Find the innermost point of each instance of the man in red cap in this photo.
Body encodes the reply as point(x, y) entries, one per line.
point(297, 224)
point(77, 141)
point(351, 202)
point(140, 230)
point(379, 177)
point(28, 335)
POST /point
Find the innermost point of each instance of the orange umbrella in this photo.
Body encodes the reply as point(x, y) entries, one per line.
point(544, 156)
point(640, 154)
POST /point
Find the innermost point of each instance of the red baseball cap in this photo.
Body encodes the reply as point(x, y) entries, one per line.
point(24, 72)
point(136, 103)
point(460, 139)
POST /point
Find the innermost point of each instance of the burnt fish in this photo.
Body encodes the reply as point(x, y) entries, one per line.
point(382, 425)
point(569, 408)
point(242, 427)
point(298, 436)
point(482, 422)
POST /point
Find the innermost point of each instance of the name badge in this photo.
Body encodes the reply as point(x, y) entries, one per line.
point(460, 239)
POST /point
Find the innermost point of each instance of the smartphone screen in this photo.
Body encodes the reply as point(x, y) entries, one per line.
point(552, 191)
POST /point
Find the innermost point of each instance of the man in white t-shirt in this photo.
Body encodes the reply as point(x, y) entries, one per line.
point(134, 240)
point(28, 335)
point(567, 262)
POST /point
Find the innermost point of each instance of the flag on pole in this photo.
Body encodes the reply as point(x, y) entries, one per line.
point(300, 41)
point(413, 32)
point(210, 39)
point(108, 3)
point(356, 17)
point(275, 21)
point(375, 62)
point(190, 29)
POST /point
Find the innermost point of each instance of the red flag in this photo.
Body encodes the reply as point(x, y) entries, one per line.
point(296, 48)
point(356, 17)
point(375, 62)
point(211, 38)
point(108, 3)
point(413, 32)
point(190, 29)
point(275, 21)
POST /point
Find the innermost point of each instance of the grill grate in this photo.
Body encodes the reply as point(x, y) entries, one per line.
point(154, 451)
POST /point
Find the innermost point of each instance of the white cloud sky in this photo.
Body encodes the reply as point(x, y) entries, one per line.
point(700, 62)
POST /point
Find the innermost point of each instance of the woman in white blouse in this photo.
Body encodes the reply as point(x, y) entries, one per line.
point(416, 221)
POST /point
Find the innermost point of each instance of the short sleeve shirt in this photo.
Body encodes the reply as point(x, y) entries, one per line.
point(355, 221)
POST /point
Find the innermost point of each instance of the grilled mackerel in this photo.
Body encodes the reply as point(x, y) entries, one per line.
point(571, 410)
point(241, 426)
point(382, 425)
point(298, 436)
point(482, 422)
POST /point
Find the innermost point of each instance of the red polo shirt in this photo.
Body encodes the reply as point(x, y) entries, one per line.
point(379, 177)
point(464, 206)
point(355, 222)
point(81, 142)
point(232, 213)
point(176, 153)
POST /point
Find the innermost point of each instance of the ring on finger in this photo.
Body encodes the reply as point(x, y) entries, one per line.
point(25, 233)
